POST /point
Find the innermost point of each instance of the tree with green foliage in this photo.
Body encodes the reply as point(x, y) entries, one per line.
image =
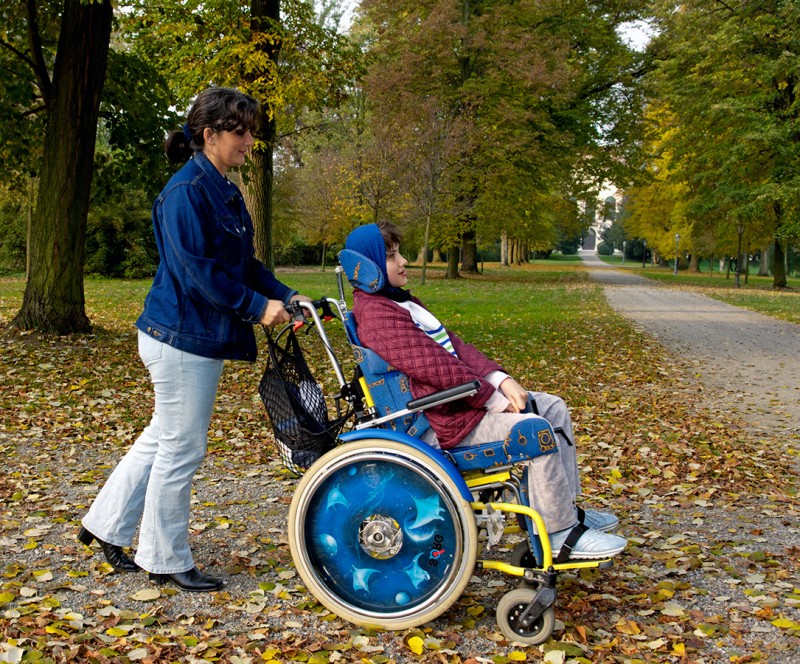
point(275, 50)
point(58, 91)
point(543, 90)
point(727, 72)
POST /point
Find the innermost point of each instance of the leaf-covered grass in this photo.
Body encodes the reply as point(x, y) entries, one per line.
point(693, 490)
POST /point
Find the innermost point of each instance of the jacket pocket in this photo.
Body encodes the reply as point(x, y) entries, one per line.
point(232, 238)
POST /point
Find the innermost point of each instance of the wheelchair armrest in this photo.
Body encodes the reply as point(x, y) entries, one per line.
point(443, 396)
point(415, 405)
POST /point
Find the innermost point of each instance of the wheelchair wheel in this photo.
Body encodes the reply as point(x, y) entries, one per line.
point(522, 556)
point(509, 610)
point(381, 536)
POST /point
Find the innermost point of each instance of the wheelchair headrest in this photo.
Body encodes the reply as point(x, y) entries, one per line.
point(362, 272)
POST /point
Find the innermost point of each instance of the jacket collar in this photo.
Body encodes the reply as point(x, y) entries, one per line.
point(226, 188)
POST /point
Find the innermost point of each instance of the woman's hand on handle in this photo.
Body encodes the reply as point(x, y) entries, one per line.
point(274, 314)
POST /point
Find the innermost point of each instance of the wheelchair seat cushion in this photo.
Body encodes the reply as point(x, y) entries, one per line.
point(527, 439)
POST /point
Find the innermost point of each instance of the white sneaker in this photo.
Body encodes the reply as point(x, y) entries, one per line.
point(603, 521)
point(591, 545)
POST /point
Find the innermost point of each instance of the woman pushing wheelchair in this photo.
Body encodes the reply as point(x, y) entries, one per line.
point(399, 328)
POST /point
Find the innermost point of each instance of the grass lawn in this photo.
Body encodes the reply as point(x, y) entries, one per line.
point(647, 443)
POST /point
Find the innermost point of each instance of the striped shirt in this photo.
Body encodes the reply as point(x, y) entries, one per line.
point(429, 324)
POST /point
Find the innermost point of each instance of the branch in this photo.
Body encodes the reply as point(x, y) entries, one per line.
point(37, 62)
point(18, 53)
point(304, 128)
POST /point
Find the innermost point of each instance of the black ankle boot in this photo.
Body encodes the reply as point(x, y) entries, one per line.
point(114, 554)
point(193, 581)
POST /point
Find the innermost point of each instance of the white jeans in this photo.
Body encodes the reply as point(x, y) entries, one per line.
point(553, 482)
point(153, 481)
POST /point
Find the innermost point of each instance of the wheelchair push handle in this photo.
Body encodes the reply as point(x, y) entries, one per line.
point(314, 313)
point(316, 310)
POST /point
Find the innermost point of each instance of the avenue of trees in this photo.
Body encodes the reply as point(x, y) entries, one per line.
point(468, 122)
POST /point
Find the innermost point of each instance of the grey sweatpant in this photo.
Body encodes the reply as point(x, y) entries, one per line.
point(553, 482)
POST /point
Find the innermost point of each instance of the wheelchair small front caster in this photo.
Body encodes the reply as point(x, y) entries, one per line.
point(510, 610)
point(522, 556)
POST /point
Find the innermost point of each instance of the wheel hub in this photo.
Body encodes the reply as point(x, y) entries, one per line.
point(380, 536)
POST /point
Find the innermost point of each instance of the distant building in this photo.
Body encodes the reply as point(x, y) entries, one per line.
point(601, 213)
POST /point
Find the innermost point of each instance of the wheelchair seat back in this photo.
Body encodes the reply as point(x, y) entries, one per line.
point(389, 389)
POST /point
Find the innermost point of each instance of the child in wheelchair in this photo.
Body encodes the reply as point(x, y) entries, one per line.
point(399, 328)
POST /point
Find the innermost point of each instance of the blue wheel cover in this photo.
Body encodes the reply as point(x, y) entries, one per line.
point(417, 546)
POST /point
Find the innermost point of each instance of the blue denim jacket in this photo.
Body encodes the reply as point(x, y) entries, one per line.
point(209, 289)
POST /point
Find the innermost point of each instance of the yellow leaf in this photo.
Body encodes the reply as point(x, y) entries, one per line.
point(517, 656)
point(628, 627)
point(416, 645)
point(52, 629)
point(784, 623)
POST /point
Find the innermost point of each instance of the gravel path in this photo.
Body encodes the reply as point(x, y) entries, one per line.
point(750, 360)
point(740, 362)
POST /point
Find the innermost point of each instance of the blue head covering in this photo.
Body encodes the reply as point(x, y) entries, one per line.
point(367, 241)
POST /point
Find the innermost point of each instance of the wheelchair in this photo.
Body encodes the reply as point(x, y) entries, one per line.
point(385, 530)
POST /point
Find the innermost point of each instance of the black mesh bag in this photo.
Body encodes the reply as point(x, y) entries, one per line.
point(296, 406)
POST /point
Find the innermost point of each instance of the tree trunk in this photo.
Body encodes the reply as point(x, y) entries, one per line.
point(436, 255)
point(746, 258)
point(779, 267)
point(763, 266)
point(263, 15)
point(504, 249)
point(452, 263)
point(425, 247)
point(259, 203)
point(694, 263)
point(54, 299)
point(469, 253)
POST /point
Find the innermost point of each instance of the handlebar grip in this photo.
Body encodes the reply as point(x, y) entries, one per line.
point(450, 394)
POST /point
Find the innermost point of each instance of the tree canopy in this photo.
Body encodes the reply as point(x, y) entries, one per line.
point(725, 139)
point(466, 121)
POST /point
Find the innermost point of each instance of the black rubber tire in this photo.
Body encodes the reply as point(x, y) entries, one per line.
point(511, 606)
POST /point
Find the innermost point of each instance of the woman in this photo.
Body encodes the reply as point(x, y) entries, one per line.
point(207, 294)
point(410, 338)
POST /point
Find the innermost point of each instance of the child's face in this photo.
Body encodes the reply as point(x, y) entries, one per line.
point(396, 267)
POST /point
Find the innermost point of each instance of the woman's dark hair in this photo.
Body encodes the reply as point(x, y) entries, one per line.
point(390, 233)
point(221, 109)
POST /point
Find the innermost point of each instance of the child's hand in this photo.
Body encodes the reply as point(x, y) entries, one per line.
point(516, 395)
